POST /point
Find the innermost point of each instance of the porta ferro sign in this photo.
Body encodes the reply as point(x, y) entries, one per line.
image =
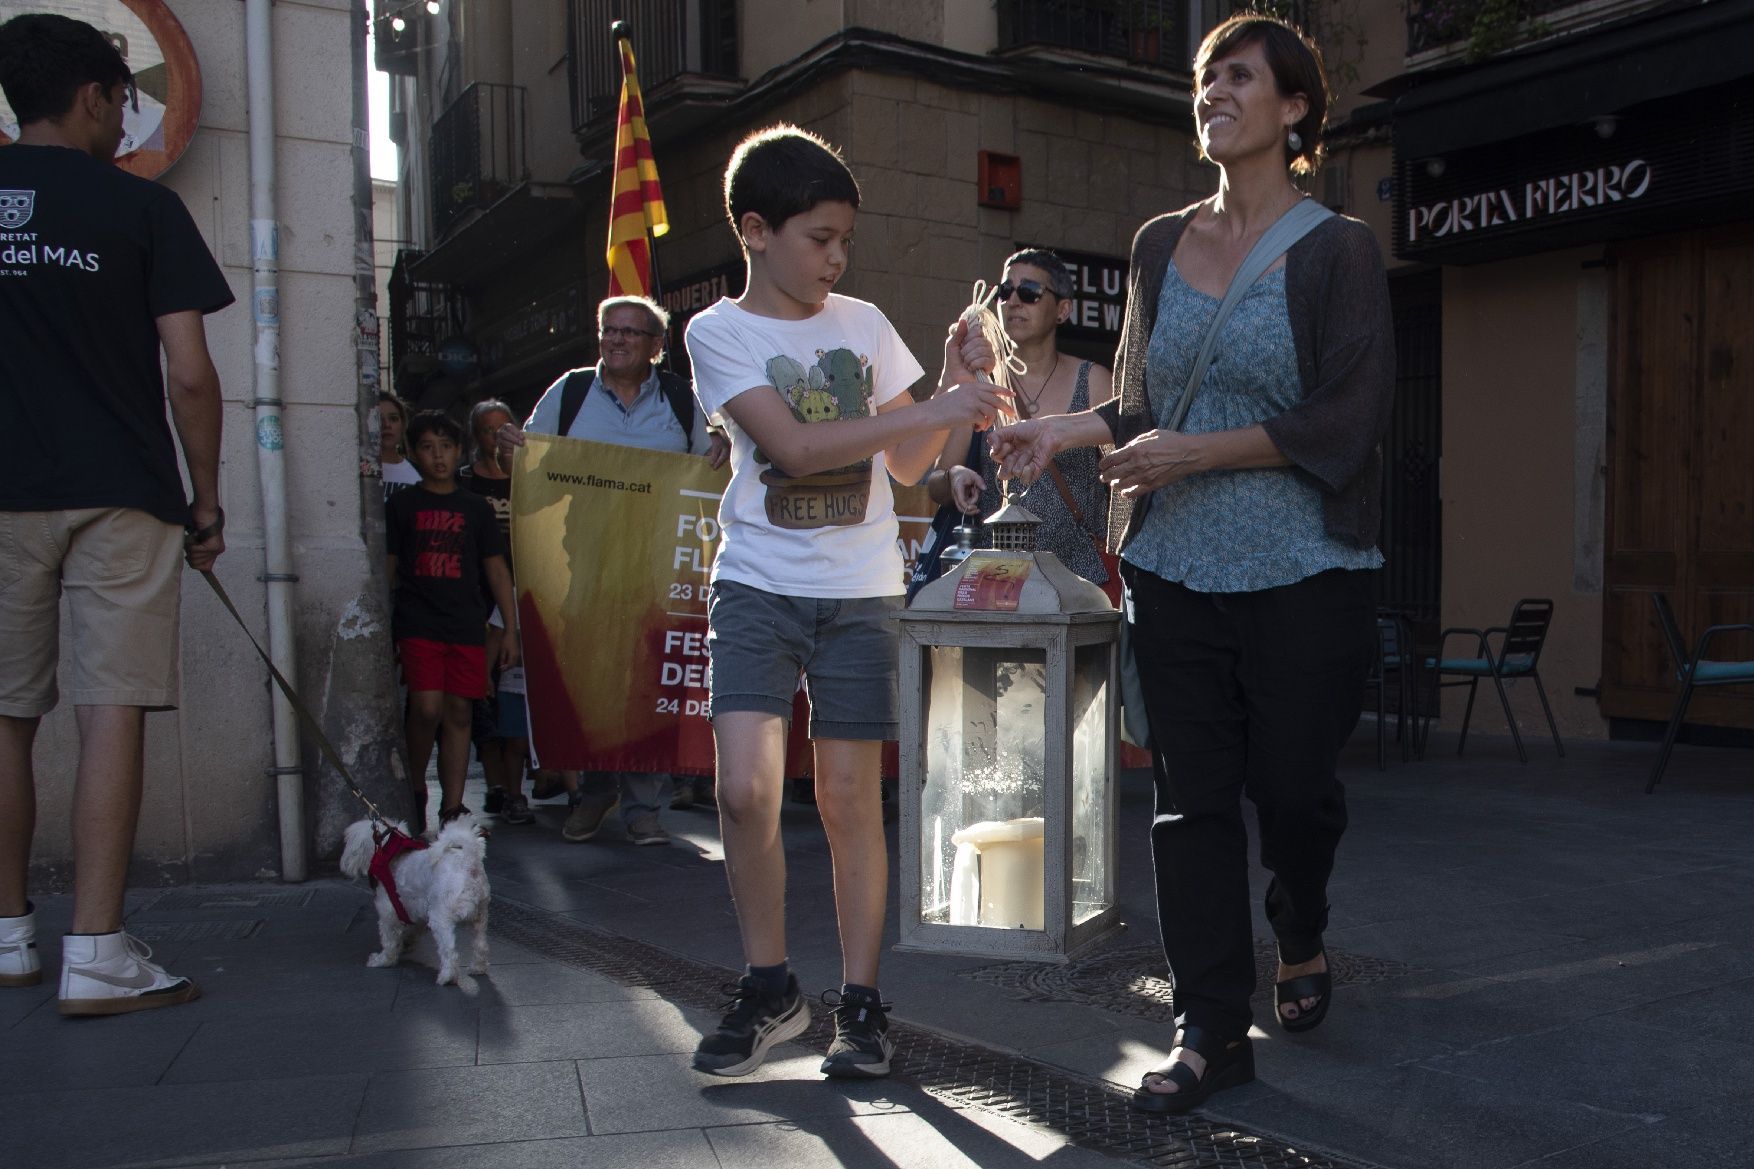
point(1547, 197)
point(166, 76)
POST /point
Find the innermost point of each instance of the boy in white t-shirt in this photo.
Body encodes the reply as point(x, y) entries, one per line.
point(812, 388)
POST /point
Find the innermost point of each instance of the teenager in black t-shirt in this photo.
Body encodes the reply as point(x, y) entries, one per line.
point(443, 543)
point(99, 272)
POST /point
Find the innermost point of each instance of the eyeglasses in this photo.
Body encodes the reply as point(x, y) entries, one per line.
point(1028, 291)
point(617, 333)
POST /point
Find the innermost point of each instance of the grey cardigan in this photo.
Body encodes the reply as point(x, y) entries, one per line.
point(1337, 296)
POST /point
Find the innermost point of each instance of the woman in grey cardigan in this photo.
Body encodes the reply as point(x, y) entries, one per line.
point(1248, 544)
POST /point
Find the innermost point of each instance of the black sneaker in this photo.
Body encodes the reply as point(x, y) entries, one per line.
point(862, 1047)
point(753, 1022)
point(494, 801)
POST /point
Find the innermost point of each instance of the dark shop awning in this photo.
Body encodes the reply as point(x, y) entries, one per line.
point(1665, 52)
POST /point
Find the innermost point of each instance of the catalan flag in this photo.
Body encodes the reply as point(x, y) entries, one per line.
point(638, 205)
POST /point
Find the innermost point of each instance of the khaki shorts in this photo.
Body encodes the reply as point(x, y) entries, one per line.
point(122, 572)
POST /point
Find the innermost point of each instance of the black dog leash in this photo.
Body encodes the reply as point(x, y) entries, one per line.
point(334, 756)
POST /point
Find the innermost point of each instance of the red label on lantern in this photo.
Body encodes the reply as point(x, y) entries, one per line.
point(993, 583)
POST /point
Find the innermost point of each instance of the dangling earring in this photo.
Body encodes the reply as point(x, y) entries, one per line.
point(1295, 141)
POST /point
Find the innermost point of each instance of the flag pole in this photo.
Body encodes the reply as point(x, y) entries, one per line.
point(619, 31)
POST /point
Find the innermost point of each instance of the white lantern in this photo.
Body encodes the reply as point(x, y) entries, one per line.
point(1009, 704)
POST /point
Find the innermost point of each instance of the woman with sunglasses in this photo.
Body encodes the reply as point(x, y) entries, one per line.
point(1247, 537)
point(1032, 300)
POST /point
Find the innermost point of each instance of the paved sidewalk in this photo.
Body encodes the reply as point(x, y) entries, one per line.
point(1537, 965)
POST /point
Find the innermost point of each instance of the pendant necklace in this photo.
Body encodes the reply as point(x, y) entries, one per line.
point(1032, 401)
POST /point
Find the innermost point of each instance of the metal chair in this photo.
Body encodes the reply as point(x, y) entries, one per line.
point(1692, 672)
point(1519, 653)
point(1394, 657)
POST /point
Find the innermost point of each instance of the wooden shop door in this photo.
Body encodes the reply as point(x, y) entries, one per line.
point(1680, 474)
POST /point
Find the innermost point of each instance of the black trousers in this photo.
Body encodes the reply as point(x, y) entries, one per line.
point(1256, 694)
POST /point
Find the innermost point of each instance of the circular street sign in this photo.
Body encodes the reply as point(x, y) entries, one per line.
point(165, 72)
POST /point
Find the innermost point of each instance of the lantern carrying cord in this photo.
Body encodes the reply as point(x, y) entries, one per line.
point(1007, 365)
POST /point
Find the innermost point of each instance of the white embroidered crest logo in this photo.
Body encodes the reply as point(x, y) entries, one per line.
point(16, 208)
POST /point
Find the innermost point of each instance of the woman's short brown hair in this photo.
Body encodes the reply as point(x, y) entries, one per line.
point(1297, 68)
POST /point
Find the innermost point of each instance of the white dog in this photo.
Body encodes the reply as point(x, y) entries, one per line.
point(441, 886)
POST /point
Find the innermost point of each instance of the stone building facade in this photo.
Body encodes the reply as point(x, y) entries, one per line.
point(913, 94)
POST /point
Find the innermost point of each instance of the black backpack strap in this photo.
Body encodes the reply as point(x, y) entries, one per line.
point(680, 395)
point(572, 397)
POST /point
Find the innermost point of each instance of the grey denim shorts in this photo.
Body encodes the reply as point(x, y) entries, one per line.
point(759, 643)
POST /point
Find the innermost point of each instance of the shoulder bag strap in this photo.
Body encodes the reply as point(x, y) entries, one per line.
point(1054, 472)
point(1292, 226)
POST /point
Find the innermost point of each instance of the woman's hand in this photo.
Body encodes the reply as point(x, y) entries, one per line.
point(1024, 449)
point(508, 649)
point(965, 489)
point(1155, 459)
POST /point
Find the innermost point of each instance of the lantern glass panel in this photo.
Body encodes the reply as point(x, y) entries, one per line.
point(1092, 795)
point(985, 713)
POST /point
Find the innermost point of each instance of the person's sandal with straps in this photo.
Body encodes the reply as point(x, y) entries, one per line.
point(1229, 1064)
point(1292, 992)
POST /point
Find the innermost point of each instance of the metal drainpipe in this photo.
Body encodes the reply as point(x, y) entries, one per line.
point(288, 771)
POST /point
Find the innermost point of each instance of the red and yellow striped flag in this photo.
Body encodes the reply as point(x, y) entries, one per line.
point(638, 204)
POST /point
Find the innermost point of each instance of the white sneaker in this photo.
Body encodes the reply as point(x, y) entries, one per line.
point(19, 964)
point(108, 974)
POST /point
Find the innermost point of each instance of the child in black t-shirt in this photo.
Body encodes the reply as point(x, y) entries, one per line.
point(443, 543)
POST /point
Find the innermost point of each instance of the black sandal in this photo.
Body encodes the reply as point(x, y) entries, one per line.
point(1304, 986)
point(1229, 1063)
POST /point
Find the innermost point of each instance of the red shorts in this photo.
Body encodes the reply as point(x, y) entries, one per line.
point(442, 665)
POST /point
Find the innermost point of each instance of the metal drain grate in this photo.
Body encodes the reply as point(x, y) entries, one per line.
point(1131, 980)
point(183, 900)
point(1091, 1113)
point(155, 932)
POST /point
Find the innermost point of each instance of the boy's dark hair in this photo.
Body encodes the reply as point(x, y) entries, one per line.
point(433, 421)
point(45, 59)
point(783, 171)
point(1296, 62)
point(1060, 281)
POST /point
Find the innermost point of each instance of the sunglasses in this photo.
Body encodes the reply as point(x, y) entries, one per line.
point(1028, 291)
point(617, 333)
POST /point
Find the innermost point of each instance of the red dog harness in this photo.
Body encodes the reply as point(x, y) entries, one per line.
point(390, 845)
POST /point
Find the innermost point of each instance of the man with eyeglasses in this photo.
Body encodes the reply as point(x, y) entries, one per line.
point(623, 399)
point(100, 273)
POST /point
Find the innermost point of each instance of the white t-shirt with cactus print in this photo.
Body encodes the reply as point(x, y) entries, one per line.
point(831, 534)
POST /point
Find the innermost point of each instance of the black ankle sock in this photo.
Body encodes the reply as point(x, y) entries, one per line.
point(852, 990)
point(771, 978)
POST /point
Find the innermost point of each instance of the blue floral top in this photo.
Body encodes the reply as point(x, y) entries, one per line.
point(1232, 531)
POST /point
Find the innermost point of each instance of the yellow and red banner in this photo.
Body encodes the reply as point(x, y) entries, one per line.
point(637, 206)
point(612, 547)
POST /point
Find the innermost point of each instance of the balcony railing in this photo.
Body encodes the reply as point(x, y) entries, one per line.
point(1479, 28)
point(477, 151)
point(1162, 34)
point(671, 38)
point(423, 315)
